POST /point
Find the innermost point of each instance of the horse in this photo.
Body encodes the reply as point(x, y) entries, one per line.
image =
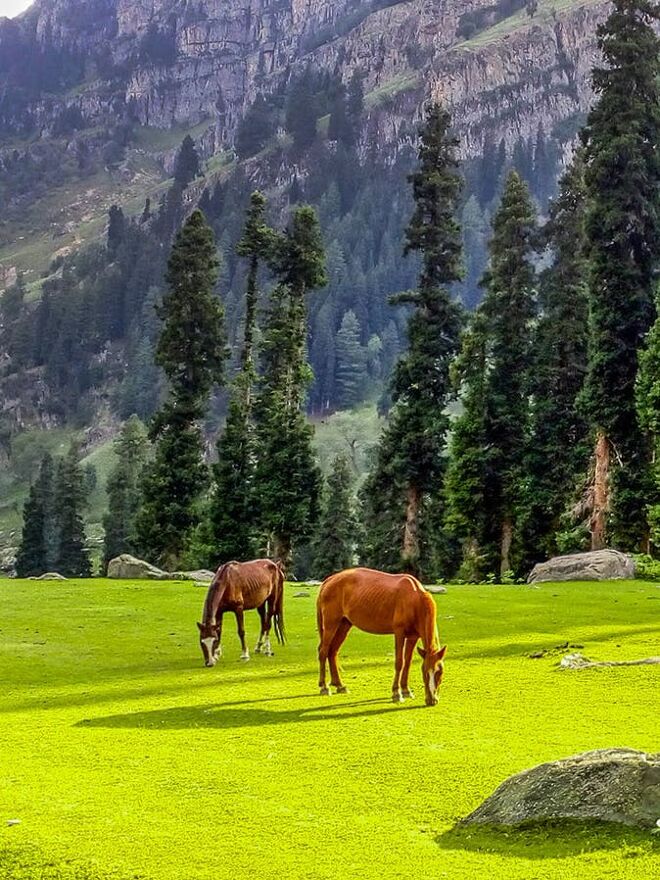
point(239, 587)
point(383, 604)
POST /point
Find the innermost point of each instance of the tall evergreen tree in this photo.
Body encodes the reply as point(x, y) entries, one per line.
point(123, 489)
point(191, 351)
point(186, 167)
point(411, 449)
point(38, 547)
point(509, 306)
point(287, 477)
point(72, 558)
point(233, 512)
point(558, 437)
point(351, 363)
point(487, 478)
point(622, 226)
point(335, 540)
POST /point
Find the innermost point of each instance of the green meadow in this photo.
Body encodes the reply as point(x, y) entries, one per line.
point(122, 757)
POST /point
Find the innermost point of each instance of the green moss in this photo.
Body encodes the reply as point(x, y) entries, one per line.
point(122, 753)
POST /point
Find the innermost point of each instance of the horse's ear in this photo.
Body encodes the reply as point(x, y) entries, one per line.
point(421, 652)
point(200, 627)
point(441, 653)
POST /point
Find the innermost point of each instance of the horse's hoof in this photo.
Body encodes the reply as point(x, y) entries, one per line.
point(342, 689)
point(397, 697)
point(245, 657)
point(409, 695)
point(269, 653)
point(325, 692)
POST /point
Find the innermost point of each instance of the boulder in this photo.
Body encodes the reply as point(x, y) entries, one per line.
point(436, 589)
point(598, 565)
point(48, 576)
point(608, 785)
point(127, 566)
point(200, 576)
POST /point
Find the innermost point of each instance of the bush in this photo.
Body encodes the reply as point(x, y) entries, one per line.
point(646, 567)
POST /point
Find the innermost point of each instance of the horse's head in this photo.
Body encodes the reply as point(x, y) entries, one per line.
point(209, 640)
point(432, 670)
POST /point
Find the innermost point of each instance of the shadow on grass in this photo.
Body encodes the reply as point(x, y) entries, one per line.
point(247, 713)
point(550, 840)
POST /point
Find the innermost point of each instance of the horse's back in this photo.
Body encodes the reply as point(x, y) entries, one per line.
point(374, 601)
point(249, 584)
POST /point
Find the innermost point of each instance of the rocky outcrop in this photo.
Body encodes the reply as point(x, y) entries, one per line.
point(598, 565)
point(608, 785)
point(127, 566)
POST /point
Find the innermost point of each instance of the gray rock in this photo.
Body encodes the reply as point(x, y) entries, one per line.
point(598, 565)
point(303, 594)
point(201, 575)
point(436, 589)
point(609, 785)
point(127, 566)
point(49, 576)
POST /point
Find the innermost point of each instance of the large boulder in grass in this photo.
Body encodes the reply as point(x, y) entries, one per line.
point(598, 565)
point(127, 566)
point(607, 785)
point(200, 576)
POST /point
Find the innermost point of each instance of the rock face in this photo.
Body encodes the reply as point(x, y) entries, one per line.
point(599, 565)
point(608, 785)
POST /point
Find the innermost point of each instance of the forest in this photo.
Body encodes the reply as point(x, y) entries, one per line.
point(511, 344)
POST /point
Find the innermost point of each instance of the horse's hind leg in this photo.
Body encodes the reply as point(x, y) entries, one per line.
point(340, 637)
point(240, 624)
point(328, 630)
point(262, 633)
point(268, 611)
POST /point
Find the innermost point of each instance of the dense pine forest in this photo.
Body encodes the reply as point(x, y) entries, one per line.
point(504, 324)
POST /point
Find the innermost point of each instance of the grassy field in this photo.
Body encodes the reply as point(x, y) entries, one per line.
point(123, 757)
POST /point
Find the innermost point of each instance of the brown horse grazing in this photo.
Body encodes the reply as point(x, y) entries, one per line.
point(239, 587)
point(383, 604)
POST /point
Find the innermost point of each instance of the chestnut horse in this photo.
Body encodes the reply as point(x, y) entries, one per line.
point(239, 587)
point(385, 604)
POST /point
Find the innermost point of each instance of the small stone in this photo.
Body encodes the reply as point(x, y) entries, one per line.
point(436, 589)
point(13, 821)
point(301, 595)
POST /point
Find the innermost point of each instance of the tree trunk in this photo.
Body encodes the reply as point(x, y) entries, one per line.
point(282, 551)
point(505, 546)
point(602, 457)
point(411, 529)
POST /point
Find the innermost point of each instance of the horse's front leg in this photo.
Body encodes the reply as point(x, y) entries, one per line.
point(399, 639)
point(218, 650)
point(245, 655)
point(407, 659)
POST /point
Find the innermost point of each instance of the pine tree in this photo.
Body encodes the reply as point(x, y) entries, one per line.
point(233, 511)
point(622, 228)
point(411, 449)
point(558, 437)
point(647, 390)
point(36, 553)
point(116, 229)
point(186, 167)
point(191, 351)
point(335, 540)
point(301, 112)
point(350, 369)
point(123, 489)
point(72, 558)
point(287, 477)
point(509, 306)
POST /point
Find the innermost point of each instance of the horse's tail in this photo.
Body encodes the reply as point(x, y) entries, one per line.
point(278, 614)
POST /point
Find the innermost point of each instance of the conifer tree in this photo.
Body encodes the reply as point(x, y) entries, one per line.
point(38, 547)
point(123, 489)
point(233, 513)
point(351, 364)
point(335, 540)
point(558, 433)
point(72, 558)
point(509, 307)
point(622, 228)
point(287, 477)
point(186, 168)
point(410, 458)
point(191, 351)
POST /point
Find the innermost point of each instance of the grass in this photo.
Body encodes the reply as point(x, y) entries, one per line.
point(123, 757)
point(402, 82)
point(521, 20)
